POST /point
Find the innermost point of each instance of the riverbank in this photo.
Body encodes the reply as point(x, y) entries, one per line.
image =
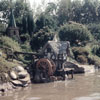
point(13, 70)
point(17, 77)
point(12, 74)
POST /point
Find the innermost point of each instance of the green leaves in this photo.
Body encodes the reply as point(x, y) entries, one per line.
point(41, 37)
point(73, 32)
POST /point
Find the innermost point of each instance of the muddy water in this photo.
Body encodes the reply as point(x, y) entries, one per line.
point(82, 87)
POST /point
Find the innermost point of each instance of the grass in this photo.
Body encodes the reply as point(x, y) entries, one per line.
point(6, 42)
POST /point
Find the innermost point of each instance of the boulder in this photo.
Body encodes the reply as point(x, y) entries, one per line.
point(22, 74)
point(5, 87)
point(88, 68)
point(17, 83)
point(53, 78)
point(25, 80)
point(19, 69)
point(13, 75)
point(74, 66)
point(19, 76)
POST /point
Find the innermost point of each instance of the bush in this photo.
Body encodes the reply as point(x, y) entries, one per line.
point(9, 43)
point(25, 38)
point(96, 50)
point(82, 59)
point(93, 59)
point(73, 32)
point(2, 28)
point(80, 51)
point(41, 37)
point(95, 30)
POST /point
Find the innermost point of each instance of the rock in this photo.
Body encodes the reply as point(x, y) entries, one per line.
point(0, 53)
point(19, 76)
point(13, 75)
point(88, 68)
point(6, 75)
point(74, 66)
point(19, 69)
point(59, 78)
point(53, 78)
point(79, 70)
point(25, 80)
point(22, 74)
point(17, 83)
point(5, 87)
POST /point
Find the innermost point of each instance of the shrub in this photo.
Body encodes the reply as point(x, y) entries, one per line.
point(96, 50)
point(82, 59)
point(9, 43)
point(25, 38)
point(2, 28)
point(73, 32)
point(93, 59)
point(41, 37)
point(95, 30)
point(80, 51)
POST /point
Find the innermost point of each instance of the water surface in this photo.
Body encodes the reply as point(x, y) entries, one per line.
point(82, 87)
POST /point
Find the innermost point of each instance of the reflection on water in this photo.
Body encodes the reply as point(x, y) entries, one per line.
point(33, 98)
point(82, 87)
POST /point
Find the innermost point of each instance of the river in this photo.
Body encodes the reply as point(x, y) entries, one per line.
point(82, 87)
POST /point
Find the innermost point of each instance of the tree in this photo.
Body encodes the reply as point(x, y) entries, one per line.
point(74, 32)
point(64, 11)
point(24, 24)
point(4, 8)
point(89, 12)
point(46, 20)
point(30, 22)
point(41, 37)
point(76, 11)
point(51, 9)
point(40, 23)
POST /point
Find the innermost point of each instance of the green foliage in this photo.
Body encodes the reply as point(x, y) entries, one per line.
point(46, 20)
point(80, 51)
point(2, 28)
point(20, 8)
point(93, 59)
point(9, 43)
point(82, 59)
point(30, 24)
point(25, 38)
point(5, 7)
point(85, 11)
point(64, 11)
point(51, 8)
point(73, 32)
point(96, 50)
point(24, 24)
point(41, 37)
point(95, 30)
